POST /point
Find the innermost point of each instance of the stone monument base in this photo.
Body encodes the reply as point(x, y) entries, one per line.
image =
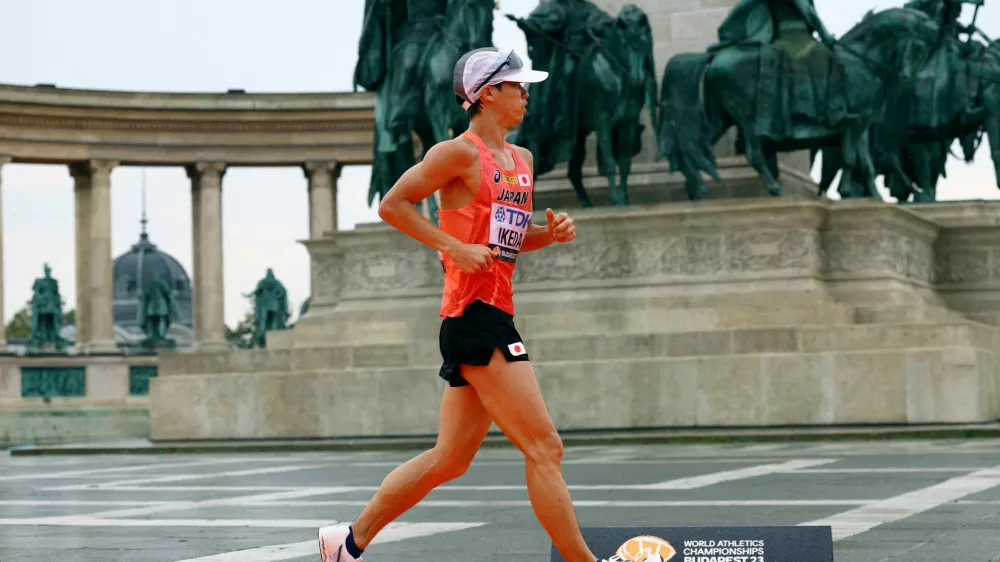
point(655, 183)
point(740, 312)
point(60, 398)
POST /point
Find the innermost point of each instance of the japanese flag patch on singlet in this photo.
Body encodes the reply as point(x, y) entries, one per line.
point(508, 226)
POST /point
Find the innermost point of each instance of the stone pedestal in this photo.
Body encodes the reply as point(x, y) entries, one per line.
point(654, 183)
point(740, 312)
point(55, 399)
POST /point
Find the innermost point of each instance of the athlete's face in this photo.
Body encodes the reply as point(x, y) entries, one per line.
point(510, 103)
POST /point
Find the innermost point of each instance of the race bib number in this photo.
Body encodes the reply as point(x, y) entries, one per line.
point(507, 229)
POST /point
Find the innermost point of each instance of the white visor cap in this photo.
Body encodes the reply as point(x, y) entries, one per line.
point(486, 67)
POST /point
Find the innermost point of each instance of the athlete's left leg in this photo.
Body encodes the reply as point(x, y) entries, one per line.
point(463, 426)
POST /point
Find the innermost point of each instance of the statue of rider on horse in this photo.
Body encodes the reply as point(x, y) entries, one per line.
point(407, 51)
point(603, 75)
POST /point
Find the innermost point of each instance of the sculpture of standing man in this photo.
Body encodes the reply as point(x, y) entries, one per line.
point(156, 311)
point(46, 313)
point(270, 307)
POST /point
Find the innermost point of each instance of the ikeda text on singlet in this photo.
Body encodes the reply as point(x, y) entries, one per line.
point(507, 229)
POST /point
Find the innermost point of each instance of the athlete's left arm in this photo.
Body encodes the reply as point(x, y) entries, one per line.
point(558, 228)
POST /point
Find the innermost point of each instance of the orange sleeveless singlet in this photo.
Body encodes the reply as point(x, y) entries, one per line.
point(498, 216)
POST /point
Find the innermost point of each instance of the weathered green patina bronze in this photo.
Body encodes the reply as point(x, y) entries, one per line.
point(990, 71)
point(46, 314)
point(407, 54)
point(601, 75)
point(270, 307)
point(156, 313)
point(955, 97)
point(785, 91)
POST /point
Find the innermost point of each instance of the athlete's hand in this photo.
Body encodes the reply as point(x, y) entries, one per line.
point(474, 258)
point(561, 227)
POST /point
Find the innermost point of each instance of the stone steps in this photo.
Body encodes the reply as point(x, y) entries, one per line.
point(555, 320)
point(905, 314)
point(945, 384)
point(579, 347)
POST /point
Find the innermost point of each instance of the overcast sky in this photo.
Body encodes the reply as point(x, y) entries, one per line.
point(212, 46)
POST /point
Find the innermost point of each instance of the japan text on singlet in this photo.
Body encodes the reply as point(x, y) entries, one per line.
point(498, 217)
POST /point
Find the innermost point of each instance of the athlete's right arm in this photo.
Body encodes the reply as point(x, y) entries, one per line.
point(443, 164)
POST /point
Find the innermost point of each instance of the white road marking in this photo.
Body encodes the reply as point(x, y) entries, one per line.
point(85, 521)
point(392, 533)
point(685, 483)
point(183, 477)
point(601, 460)
point(576, 503)
point(84, 503)
point(230, 501)
point(764, 447)
point(91, 488)
point(977, 502)
point(862, 452)
point(864, 518)
point(899, 470)
point(692, 482)
point(976, 444)
point(117, 469)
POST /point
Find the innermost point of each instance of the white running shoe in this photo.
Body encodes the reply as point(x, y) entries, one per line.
point(332, 544)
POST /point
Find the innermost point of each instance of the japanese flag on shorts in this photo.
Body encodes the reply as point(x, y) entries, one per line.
point(517, 349)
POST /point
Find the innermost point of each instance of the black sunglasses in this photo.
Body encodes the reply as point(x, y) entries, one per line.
point(512, 61)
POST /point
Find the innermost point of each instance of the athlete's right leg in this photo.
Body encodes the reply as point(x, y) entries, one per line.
point(463, 426)
point(510, 393)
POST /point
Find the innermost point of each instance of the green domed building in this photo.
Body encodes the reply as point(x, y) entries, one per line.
point(135, 269)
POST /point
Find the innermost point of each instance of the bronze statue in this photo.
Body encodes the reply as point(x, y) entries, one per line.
point(603, 74)
point(793, 93)
point(991, 99)
point(46, 314)
point(270, 304)
point(780, 31)
point(156, 312)
point(407, 53)
point(952, 98)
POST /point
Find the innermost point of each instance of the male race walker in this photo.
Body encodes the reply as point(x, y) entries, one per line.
point(485, 186)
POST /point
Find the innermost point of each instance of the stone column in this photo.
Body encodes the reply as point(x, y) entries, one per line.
point(322, 177)
point(81, 192)
point(206, 209)
point(94, 284)
point(3, 322)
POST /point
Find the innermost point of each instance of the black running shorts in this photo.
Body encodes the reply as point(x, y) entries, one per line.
point(470, 339)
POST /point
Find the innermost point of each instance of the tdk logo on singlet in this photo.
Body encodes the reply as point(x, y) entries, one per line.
point(516, 197)
point(512, 217)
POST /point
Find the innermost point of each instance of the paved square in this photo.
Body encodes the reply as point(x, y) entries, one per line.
point(914, 500)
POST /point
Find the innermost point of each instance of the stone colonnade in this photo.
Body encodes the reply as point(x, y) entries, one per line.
point(94, 283)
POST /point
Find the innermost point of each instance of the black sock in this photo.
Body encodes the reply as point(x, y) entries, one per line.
point(351, 546)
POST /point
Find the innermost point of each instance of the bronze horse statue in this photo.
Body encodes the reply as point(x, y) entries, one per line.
point(703, 95)
point(415, 95)
point(615, 78)
point(912, 157)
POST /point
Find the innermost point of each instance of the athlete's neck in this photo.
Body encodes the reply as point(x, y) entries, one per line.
point(490, 131)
